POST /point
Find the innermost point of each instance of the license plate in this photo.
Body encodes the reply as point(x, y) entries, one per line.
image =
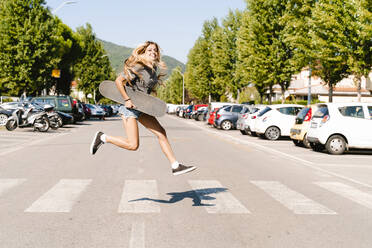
point(314, 125)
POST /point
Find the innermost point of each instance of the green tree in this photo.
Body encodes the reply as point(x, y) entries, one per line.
point(359, 34)
point(93, 66)
point(199, 75)
point(171, 90)
point(253, 45)
point(329, 34)
point(224, 55)
point(70, 51)
point(29, 50)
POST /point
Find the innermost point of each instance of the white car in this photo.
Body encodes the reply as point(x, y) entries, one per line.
point(340, 126)
point(276, 120)
point(245, 119)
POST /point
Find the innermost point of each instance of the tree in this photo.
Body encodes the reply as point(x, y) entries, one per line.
point(199, 74)
point(254, 40)
point(29, 51)
point(329, 34)
point(93, 66)
point(359, 35)
point(70, 51)
point(224, 55)
point(171, 91)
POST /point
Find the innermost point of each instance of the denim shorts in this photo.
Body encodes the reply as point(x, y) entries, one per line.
point(129, 112)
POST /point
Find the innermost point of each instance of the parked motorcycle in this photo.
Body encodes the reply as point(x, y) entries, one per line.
point(27, 116)
point(54, 119)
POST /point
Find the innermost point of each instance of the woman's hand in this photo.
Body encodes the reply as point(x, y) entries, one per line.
point(129, 104)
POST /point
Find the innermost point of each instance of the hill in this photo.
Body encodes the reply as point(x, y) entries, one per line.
point(117, 54)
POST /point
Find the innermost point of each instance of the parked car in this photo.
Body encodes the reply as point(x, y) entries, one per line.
point(277, 120)
point(188, 111)
point(9, 105)
point(245, 116)
point(108, 110)
point(201, 114)
point(196, 108)
point(340, 126)
point(4, 114)
point(212, 116)
point(61, 103)
point(299, 130)
point(96, 111)
point(226, 117)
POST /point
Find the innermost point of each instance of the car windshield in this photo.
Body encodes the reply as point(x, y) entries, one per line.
point(321, 112)
point(264, 111)
point(370, 112)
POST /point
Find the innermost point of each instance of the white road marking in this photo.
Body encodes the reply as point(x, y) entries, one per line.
point(7, 184)
point(292, 200)
point(279, 153)
point(217, 198)
point(348, 192)
point(137, 237)
point(60, 198)
point(138, 196)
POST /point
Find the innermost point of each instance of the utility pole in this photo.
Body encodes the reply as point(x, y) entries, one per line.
point(309, 87)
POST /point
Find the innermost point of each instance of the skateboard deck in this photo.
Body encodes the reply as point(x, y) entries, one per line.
point(145, 103)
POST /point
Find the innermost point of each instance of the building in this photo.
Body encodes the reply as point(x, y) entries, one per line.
point(344, 91)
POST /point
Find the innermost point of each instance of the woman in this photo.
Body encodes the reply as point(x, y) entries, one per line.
point(140, 72)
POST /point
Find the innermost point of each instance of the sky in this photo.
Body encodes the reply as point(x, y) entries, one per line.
point(173, 24)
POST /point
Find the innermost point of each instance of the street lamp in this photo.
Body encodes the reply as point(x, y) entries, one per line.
point(309, 87)
point(63, 4)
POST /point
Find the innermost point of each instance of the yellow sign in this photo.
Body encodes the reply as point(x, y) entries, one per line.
point(56, 73)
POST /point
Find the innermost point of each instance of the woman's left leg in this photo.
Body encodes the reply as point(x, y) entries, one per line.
point(152, 124)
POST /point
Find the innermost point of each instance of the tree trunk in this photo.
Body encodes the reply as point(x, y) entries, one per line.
point(358, 83)
point(330, 92)
point(270, 93)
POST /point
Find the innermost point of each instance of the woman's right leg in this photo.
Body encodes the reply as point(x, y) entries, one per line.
point(132, 141)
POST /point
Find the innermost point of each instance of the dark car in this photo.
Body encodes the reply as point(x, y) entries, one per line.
point(201, 114)
point(227, 116)
point(108, 110)
point(188, 112)
point(4, 114)
point(60, 103)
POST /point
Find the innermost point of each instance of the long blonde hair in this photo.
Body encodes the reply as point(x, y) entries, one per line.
point(137, 57)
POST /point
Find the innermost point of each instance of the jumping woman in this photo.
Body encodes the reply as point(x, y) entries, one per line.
point(140, 71)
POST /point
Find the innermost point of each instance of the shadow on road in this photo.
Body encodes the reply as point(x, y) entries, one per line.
point(196, 195)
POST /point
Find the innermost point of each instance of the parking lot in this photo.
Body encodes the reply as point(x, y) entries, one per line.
point(354, 165)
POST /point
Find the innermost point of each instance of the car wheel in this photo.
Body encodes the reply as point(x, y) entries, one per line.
point(3, 119)
point(336, 145)
point(226, 125)
point(243, 132)
point(296, 142)
point(316, 147)
point(272, 133)
point(306, 142)
point(200, 117)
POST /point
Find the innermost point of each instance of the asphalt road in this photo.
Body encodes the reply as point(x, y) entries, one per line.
point(246, 192)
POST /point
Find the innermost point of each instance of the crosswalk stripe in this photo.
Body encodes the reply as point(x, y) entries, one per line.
point(216, 198)
point(6, 184)
point(348, 192)
point(139, 196)
point(292, 200)
point(137, 237)
point(61, 197)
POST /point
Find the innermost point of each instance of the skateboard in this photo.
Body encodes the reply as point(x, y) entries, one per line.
point(145, 103)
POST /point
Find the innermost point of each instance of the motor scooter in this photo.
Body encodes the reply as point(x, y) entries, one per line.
point(26, 116)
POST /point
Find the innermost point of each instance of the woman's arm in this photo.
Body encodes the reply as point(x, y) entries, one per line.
point(119, 84)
